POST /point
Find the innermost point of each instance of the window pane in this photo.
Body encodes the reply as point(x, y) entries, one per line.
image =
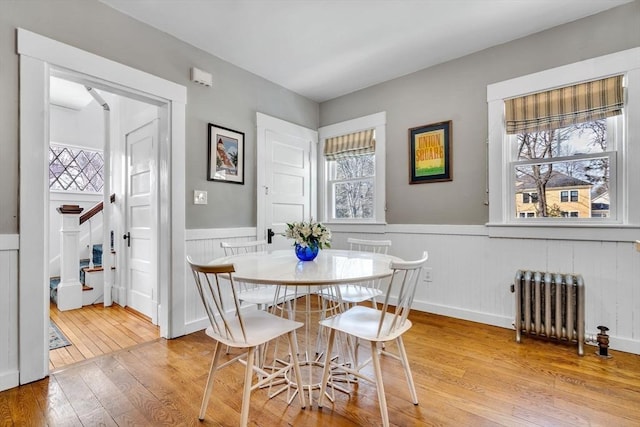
point(353, 167)
point(75, 169)
point(583, 138)
point(353, 199)
point(571, 189)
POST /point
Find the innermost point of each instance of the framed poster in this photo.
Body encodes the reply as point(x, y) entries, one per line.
point(430, 153)
point(226, 155)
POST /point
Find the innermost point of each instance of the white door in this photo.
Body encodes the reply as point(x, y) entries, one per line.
point(141, 221)
point(286, 177)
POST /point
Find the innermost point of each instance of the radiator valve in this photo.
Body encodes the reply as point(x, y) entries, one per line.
point(603, 342)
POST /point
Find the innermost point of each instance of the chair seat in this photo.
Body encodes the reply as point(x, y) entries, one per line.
point(260, 327)
point(362, 322)
point(354, 294)
point(265, 295)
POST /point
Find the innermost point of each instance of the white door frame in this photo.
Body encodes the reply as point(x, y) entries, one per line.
point(267, 123)
point(38, 55)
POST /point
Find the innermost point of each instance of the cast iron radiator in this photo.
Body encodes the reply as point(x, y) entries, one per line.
point(550, 305)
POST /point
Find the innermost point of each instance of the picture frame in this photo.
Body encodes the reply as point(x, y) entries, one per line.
point(430, 153)
point(226, 155)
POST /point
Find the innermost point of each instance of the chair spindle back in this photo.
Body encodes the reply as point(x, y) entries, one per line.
point(213, 283)
point(402, 286)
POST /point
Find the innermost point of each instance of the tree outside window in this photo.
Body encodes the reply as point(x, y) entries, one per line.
point(352, 181)
point(573, 155)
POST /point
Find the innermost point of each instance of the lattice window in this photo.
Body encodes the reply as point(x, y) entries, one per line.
point(75, 169)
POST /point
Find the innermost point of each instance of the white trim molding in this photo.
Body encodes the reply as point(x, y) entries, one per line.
point(39, 57)
point(377, 121)
point(501, 224)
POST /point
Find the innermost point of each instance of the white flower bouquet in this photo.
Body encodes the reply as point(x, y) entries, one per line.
point(309, 234)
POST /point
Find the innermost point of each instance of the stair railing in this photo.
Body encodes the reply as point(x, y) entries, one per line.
point(98, 207)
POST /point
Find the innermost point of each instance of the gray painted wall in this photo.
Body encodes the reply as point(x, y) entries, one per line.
point(452, 91)
point(457, 91)
point(232, 102)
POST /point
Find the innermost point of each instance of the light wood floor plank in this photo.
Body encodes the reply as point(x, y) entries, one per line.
point(466, 374)
point(96, 330)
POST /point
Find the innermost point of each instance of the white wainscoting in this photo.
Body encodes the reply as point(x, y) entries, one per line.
point(9, 374)
point(204, 245)
point(472, 273)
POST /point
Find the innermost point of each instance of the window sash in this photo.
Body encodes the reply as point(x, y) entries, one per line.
point(332, 184)
point(611, 157)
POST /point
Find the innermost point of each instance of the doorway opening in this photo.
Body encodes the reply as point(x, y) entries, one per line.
point(39, 58)
point(90, 154)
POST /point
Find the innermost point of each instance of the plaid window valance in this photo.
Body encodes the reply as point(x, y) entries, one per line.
point(353, 144)
point(565, 106)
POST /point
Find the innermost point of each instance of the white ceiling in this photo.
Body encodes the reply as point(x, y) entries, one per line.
point(326, 48)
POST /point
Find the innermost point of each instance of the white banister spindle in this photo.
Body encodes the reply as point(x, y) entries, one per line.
point(90, 245)
point(70, 288)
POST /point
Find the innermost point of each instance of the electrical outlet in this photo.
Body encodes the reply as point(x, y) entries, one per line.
point(427, 274)
point(199, 197)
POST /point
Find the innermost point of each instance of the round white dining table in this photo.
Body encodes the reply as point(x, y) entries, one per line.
point(331, 266)
point(307, 280)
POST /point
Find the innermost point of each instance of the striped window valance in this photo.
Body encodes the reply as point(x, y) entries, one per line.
point(565, 106)
point(353, 144)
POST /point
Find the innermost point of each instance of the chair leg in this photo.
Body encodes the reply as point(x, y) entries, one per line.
point(407, 370)
point(209, 387)
point(327, 367)
point(296, 369)
point(375, 357)
point(246, 392)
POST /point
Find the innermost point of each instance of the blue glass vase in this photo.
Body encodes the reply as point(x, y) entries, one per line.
point(307, 253)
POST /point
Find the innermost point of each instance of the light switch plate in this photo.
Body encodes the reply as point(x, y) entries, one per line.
point(199, 197)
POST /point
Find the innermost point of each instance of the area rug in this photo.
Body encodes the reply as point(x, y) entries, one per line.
point(56, 337)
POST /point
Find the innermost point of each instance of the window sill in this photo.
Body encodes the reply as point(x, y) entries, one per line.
point(360, 226)
point(587, 232)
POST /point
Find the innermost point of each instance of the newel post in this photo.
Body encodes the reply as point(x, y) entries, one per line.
point(70, 288)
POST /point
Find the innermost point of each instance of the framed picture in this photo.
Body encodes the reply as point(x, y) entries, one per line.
point(226, 155)
point(430, 153)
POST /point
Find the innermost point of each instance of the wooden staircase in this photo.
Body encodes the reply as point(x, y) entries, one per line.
point(91, 278)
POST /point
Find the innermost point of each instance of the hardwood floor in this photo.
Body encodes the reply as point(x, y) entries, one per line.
point(466, 374)
point(96, 330)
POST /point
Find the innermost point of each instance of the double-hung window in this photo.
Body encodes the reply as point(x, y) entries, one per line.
point(564, 138)
point(567, 135)
point(352, 170)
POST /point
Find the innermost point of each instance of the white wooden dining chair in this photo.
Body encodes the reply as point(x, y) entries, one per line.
point(356, 293)
point(373, 325)
point(247, 330)
point(263, 296)
point(360, 292)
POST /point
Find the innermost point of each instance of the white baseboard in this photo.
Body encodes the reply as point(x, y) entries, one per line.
point(196, 325)
point(620, 344)
point(458, 313)
point(9, 380)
